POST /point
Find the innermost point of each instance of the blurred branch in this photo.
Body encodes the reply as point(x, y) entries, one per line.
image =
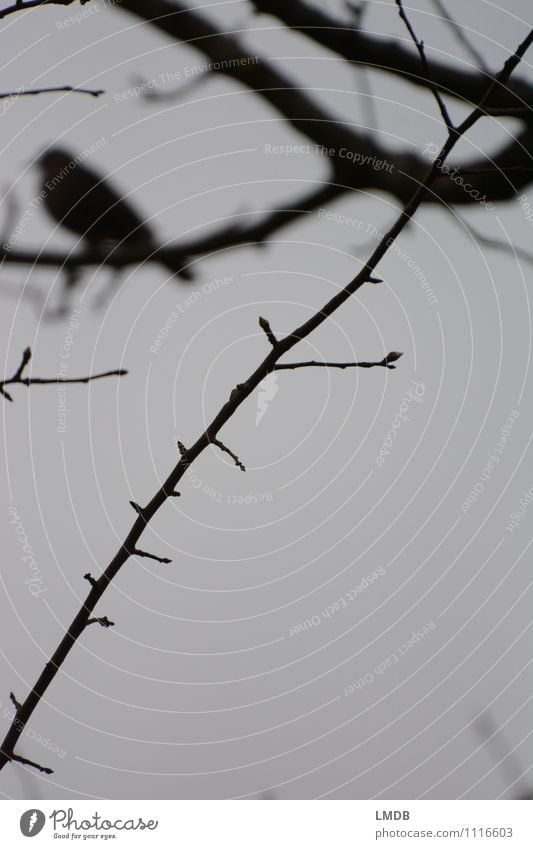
point(236, 399)
point(386, 55)
point(32, 381)
point(495, 244)
point(23, 5)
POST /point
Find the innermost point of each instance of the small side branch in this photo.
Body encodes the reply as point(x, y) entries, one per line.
point(427, 70)
point(94, 92)
point(226, 450)
point(89, 577)
point(15, 701)
point(34, 764)
point(41, 381)
point(265, 326)
point(386, 362)
point(101, 620)
point(138, 552)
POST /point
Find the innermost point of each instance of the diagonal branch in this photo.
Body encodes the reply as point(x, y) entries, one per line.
point(237, 397)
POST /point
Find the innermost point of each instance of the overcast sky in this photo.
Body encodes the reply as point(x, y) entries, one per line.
point(205, 687)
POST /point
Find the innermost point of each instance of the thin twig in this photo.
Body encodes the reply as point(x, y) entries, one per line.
point(100, 620)
point(226, 450)
point(425, 64)
point(237, 397)
point(386, 362)
point(138, 552)
point(94, 92)
point(34, 764)
point(43, 381)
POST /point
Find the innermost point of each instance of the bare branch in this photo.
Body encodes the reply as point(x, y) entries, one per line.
point(34, 764)
point(42, 381)
point(425, 65)
point(386, 362)
point(237, 397)
point(265, 326)
point(15, 701)
point(226, 450)
point(101, 620)
point(95, 92)
point(138, 552)
point(89, 577)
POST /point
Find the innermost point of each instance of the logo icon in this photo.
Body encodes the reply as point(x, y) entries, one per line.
point(267, 391)
point(32, 822)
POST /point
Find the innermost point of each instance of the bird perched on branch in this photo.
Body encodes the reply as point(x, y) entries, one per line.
point(87, 204)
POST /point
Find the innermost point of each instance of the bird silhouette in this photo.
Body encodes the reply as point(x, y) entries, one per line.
point(85, 203)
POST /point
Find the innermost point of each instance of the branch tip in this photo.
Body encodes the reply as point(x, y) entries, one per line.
point(138, 552)
point(15, 701)
point(34, 764)
point(101, 620)
point(226, 450)
point(265, 326)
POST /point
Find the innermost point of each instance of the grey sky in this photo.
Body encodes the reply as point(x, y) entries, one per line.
point(199, 690)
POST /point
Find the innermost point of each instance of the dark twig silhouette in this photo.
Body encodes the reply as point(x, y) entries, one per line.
point(17, 378)
point(278, 348)
point(95, 92)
